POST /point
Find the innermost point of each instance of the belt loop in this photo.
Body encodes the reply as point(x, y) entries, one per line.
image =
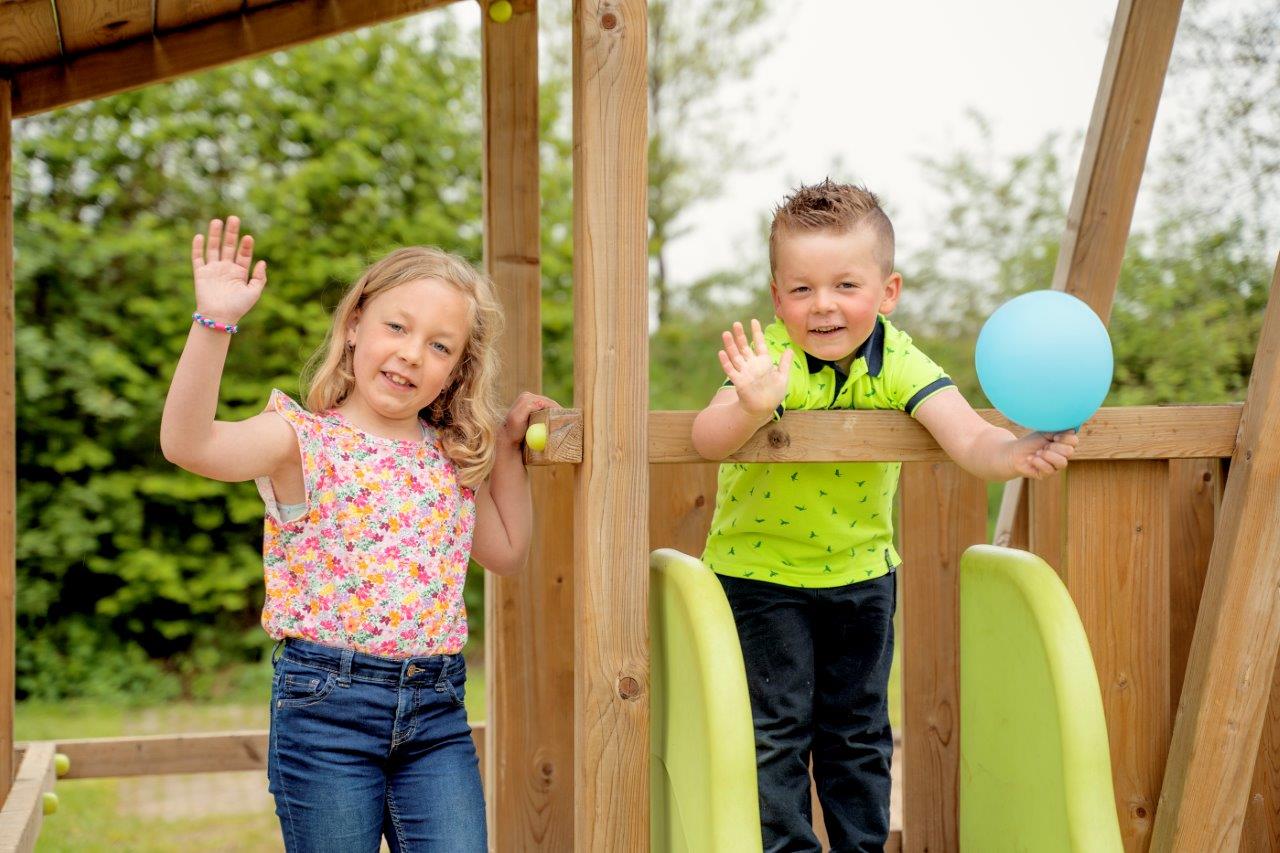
point(277, 651)
point(443, 678)
point(344, 669)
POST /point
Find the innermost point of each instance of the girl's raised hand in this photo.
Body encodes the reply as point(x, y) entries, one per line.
point(513, 428)
point(225, 290)
point(760, 383)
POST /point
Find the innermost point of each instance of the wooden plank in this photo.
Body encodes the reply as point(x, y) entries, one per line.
point(529, 616)
point(90, 24)
point(161, 755)
point(1132, 432)
point(8, 447)
point(1233, 653)
point(943, 511)
point(611, 383)
point(1111, 166)
point(682, 499)
point(157, 58)
point(1117, 571)
point(23, 810)
point(1195, 497)
point(1047, 516)
point(28, 33)
point(171, 14)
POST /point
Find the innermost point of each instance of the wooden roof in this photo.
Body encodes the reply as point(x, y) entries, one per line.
point(58, 52)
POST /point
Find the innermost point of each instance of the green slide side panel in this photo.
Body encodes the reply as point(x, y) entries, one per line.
point(702, 766)
point(1035, 773)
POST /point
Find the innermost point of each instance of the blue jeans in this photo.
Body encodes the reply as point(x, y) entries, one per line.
point(817, 664)
point(363, 747)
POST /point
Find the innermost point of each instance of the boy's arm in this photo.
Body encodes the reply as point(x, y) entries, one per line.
point(724, 425)
point(987, 451)
point(738, 410)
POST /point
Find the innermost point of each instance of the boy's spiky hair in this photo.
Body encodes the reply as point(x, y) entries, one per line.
point(828, 206)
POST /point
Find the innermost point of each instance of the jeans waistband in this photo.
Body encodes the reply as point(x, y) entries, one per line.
point(348, 663)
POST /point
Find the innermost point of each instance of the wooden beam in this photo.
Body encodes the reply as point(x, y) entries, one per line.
point(1115, 151)
point(1133, 432)
point(1111, 166)
point(528, 616)
point(8, 446)
point(156, 58)
point(1233, 653)
point(943, 512)
point(23, 810)
point(611, 384)
point(1116, 567)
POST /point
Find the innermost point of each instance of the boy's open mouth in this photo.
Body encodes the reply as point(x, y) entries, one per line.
point(826, 330)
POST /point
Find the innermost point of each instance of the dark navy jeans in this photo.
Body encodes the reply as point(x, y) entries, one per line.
point(817, 664)
point(363, 747)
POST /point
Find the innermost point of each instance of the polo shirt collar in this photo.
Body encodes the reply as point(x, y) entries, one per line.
point(871, 350)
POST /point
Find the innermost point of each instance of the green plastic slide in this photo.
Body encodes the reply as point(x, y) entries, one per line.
point(1035, 773)
point(702, 767)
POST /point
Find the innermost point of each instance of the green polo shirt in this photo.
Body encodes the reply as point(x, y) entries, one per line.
point(815, 524)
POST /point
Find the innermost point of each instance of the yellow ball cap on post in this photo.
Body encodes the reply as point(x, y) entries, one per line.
point(536, 437)
point(49, 803)
point(61, 764)
point(500, 11)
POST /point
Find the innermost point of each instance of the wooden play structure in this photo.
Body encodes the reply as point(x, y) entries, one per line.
point(1172, 564)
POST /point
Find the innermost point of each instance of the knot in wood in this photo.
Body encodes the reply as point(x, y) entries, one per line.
point(608, 20)
point(778, 438)
point(628, 687)
point(700, 500)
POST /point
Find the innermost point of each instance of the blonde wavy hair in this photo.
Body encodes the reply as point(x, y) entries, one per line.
point(465, 414)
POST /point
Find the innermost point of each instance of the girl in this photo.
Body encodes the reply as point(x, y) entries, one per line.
point(377, 493)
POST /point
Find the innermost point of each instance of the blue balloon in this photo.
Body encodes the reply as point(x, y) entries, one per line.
point(1044, 360)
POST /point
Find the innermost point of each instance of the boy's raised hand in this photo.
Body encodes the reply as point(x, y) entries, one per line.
point(1038, 455)
point(760, 383)
point(225, 290)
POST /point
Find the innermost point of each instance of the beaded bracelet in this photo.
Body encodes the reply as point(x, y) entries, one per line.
point(229, 328)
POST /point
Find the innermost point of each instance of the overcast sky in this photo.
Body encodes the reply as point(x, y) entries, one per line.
point(875, 86)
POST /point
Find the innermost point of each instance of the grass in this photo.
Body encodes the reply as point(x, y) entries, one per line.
point(101, 815)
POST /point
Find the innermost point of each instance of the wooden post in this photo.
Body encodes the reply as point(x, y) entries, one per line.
point(529, 616)
point(1117, 571)
point(1233, 654)
point(944, 511)
point(611, 386)
point(8, 445)
point(1115, 153)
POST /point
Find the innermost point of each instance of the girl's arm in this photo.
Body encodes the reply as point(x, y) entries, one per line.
point(504, 506)
point(735, 413)
point(189, 435)
point(987, 451)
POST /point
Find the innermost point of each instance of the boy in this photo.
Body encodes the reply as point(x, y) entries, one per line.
point(805, 552)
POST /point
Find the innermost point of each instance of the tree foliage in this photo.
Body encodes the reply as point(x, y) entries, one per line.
point(332, 154)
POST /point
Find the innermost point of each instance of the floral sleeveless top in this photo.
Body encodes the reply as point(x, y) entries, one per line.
point(378, 560)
